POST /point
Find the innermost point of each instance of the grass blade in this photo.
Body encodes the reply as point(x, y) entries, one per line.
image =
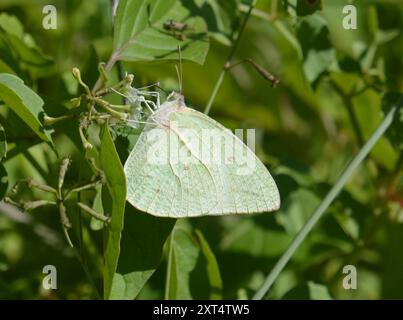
point(348, 172)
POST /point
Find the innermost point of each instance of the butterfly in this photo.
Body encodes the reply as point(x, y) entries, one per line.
point(186, 164)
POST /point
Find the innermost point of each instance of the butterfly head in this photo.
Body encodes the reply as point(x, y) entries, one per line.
point(177, 98)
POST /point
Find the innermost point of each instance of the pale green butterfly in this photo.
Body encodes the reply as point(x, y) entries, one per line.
point(173, 172)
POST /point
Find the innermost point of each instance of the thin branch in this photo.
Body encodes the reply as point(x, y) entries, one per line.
point(229, 58)
point(350, 109)
point(93, 213)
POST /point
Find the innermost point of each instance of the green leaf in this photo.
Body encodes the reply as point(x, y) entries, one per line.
point(394, 133)
point(114, 204)
point(253, 237)
point(318, 51)
point(221, 16)
point(309, 290)
point(382, 37)
point(5, 68)
point(307, 7)
point(182, 259)
point(213, 271)
point(283, 29)
point(24, 46)
point(3, 143)
point(142, 245)
point(96, 224)
point(296, 210)
point(11, 25)
point(367, 107)
point(140, 35)
point(302, 7)
point(24, 102)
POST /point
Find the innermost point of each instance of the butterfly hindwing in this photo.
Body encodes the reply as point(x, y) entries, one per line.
point(243, 183)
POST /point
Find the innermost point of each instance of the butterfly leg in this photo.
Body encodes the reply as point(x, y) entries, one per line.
point(149, 86)
point(119, 93)
point(147, 103)
point(153, 94)
point(154, 105)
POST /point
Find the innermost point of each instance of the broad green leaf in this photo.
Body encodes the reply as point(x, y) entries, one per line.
point(140, 35)
point(299, 174)
point(3, 143)
point(24, 46)
point(213, 271)
point(182, 259)
point(349, 225)
point(253, 237)
point(347, 82)
point(142, 245)
point(114, 204)
point(24, 102)
point(307, 7)
point(285, 31)
point(318, 51)
point(11, 25)
point(310, 290)
point(297, 209)
point(350, 213)
point(96, 224)
point(5, 68)
point(318, 291)
point(221, 16)
point(368, 108)
point(302, 7)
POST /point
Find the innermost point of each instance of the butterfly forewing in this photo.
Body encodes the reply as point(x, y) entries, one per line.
point(193, 166)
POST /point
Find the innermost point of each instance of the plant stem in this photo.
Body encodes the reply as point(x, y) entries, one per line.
point(34, 184)
point(112, 60)
point(229, 58)
point(169, 265)
point(62, 174)
point(350, 109)
point(311, 222)
point(109, 108)
point(49, 121)
point(84, 140)
point(88, 273)
point(109, 65)
point(93, 213)
point(86, 186)
point(30, 205)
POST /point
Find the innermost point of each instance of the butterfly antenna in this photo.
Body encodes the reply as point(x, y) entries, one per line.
point(179, 70)
point(157, 84)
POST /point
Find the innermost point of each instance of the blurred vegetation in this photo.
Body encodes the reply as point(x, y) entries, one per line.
point(336, 85)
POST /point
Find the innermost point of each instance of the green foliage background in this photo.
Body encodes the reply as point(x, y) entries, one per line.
point(336, 85)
